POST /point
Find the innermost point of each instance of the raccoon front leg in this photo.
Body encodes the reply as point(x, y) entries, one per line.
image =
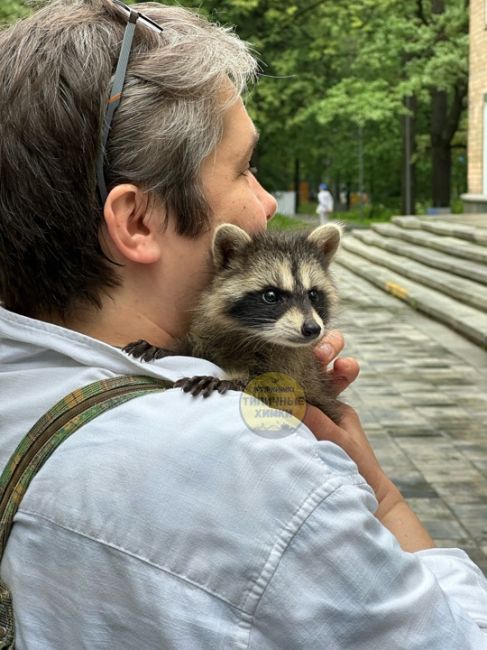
point(331, 407)
point(203, 385)
point(145, 351)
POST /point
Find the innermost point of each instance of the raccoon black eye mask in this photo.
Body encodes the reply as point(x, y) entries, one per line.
point(269, 302)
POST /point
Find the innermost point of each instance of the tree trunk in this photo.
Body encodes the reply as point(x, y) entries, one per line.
point(440, 149)
point(446, 111)
point(336, 190)
point(440, 145)
point(408, 175)
point(297, 181)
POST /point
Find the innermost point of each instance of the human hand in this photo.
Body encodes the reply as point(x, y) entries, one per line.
point(345, 370)
point(393, 511)
point(350, 436)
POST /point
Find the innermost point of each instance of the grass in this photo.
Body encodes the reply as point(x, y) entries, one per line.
point(283, 222)
point(357, 218)
point(307, 208)
point(369, 214)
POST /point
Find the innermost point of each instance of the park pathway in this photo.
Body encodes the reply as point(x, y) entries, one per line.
point(422, 396)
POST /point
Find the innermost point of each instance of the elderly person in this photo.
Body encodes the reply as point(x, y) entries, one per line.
point(166, 522)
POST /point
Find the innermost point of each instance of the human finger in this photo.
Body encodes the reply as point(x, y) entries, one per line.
point(330, 346)
point(345, 371)
point(350, 436)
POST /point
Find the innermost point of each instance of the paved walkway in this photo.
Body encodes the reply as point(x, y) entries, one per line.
point(422, 397)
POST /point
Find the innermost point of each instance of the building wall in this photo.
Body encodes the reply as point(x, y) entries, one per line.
point(477, 90)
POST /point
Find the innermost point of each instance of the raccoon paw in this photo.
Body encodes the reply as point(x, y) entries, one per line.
point(206, 385)
point(230, 384)
point(144, 351)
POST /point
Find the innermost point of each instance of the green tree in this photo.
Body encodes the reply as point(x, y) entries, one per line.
point(340, 82)
point(339, 69)
point(10, 10)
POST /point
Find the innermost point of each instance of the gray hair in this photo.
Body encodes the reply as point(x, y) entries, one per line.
point(176, 92)
point(55, 71)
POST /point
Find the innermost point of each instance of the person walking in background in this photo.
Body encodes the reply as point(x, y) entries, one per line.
point(325, 203)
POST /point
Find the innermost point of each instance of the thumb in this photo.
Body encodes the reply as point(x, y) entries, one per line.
point(322, 427)
point(348, 435)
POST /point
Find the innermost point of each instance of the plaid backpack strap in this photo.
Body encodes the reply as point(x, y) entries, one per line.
point(62, 420)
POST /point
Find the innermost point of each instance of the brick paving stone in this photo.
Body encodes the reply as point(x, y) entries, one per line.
point(426, 399)
point(443, 414)
point(422, 396)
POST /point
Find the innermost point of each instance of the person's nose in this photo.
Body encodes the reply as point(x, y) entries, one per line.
point(267, 200)
point(271, 208)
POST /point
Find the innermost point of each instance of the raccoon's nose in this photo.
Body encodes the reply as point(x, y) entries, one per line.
point(310, 329)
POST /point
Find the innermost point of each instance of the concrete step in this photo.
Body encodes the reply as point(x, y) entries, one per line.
point(409, 222)
point(440, 227)
point(471, 322)
point(449, 245)
point(466, 291)
point(428, 256)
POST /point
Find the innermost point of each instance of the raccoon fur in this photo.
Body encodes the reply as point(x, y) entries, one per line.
point(269, 302)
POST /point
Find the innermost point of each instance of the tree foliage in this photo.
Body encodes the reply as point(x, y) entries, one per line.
point(335, 75)
point(11, 10)
point(337, 69)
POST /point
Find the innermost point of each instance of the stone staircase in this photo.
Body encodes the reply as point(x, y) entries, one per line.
point(438, 266)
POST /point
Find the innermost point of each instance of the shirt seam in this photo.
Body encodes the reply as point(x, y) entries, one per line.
point(256, 592)
point(316, 498)
point(50, 328)
point(128, 553)
point(86, 343)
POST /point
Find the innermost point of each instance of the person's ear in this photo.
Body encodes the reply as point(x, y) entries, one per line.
point(132, 225)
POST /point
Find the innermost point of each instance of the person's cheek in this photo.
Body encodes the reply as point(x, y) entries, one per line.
point(256, 217)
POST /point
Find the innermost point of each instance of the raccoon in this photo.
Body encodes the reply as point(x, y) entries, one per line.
point(269, 302)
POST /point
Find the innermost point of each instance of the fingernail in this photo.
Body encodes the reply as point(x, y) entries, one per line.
point(327, 350)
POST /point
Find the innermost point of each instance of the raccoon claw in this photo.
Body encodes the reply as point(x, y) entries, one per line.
point(229, 384)
point(144, 351)
point(206, 385)
point(195, 385)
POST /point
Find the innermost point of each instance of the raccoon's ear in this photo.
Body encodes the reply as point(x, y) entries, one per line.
point(227, 240)
point(327, 239)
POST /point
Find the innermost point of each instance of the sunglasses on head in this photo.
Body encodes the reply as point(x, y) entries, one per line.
point(116, 90)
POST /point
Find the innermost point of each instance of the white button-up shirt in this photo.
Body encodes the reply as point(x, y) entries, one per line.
point(166, 523)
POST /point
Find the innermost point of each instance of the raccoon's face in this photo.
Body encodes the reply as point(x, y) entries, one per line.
point(276, 287)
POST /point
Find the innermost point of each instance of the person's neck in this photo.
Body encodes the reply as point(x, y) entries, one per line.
point(118, 324)
point(153, 303)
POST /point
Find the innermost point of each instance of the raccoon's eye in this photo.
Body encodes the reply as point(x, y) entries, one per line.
point(270, 296)
point(313, 295)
